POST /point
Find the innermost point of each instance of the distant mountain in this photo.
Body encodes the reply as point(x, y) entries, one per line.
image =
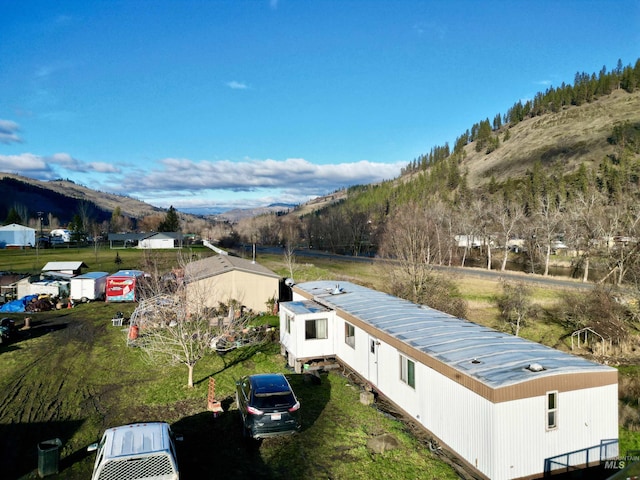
point(564, 140)
point(242, 213)
point(63, 199)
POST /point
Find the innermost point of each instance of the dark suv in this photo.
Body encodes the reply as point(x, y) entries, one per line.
point(268, 405)
point(7, 329)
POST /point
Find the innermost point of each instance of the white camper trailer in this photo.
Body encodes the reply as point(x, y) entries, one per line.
point(60, 235)
point(89, 286)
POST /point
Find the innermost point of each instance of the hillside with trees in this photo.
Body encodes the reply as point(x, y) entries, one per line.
point(562, 170)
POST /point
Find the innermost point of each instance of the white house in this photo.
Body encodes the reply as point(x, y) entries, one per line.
point(14, 235)
point(160, 240)
point(507, 407)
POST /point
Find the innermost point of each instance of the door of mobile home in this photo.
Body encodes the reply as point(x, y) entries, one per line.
point(374, 343)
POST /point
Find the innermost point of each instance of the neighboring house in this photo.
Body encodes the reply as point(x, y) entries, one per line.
point(53, 280)
point(221, 278)
point(472, 241)
point(161, 240)
point(505, 406)
point(147, 240)
point(17, 236)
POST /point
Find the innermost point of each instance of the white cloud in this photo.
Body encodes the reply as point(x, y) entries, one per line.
point(51, 166)
point(235, 85)
point(23, 162)
point(295, 177)
point(8, 132)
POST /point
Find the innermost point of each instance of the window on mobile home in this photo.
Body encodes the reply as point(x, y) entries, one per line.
point(350, 335)
point(315, 329)
point(552, 410)
point(287, 323)
point(408, 371)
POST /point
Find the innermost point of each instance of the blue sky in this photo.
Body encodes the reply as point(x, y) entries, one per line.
point(225, 104)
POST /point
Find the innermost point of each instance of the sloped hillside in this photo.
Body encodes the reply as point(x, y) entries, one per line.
point(569, 138)
point(63, 198)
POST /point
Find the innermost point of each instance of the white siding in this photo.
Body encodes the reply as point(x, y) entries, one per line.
point(296, 343)
point(585, 417)
point(501, 440)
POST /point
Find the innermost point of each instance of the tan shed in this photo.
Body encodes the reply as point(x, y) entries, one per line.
point(221, 278)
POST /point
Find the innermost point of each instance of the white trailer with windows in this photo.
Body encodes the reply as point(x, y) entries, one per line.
point(508, 407)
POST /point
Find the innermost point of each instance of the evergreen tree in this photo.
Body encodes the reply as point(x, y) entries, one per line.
point(13, 217)
point(171, 222)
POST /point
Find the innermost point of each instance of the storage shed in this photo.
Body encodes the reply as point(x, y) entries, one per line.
point(17, 236)
point(64, 268)
point(221, 278)
point(507, 407)
point(56, 287)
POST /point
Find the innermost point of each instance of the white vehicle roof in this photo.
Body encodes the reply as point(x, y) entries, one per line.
point(135, 439)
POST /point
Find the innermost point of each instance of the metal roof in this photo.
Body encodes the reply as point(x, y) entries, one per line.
point(218, 264)
point(73, 266)
point(495, 358)
point(92, 275)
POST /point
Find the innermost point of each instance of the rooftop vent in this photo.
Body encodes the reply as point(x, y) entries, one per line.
point(475, 360)
point(535, 367)
point(337, 290)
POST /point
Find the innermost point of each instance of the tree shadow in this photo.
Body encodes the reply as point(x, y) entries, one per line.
point(37, 329)
point(235, 357)
point(213, 446)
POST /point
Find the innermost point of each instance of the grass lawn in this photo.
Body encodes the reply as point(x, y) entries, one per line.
point(72, 375)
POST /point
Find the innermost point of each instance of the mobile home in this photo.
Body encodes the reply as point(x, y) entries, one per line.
point(89, 286)
point(122, 286)
point(507, 407)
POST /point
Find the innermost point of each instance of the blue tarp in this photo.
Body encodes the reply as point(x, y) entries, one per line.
point(17, 306)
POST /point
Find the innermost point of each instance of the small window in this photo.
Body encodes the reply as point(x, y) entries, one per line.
point(408, 371)
point(315, 329)
point(287, 323)
point(350, 335)
point(552, 410)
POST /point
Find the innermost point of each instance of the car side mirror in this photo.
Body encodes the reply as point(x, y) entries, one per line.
point(92, 448)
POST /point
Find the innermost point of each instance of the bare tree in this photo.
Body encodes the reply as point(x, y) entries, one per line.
point(515, 304)
point(549, 218)
point(622, 240)
point(508, 215)
point(176, 328)
point(406, 242)
point(586, 214)
point(290, 229)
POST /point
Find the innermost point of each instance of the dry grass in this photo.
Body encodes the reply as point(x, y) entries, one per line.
point(570, 137)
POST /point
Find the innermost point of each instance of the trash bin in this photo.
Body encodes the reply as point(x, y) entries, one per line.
point(48, 457)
